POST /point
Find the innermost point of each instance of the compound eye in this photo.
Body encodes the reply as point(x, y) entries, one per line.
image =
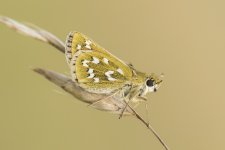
point(150, 82)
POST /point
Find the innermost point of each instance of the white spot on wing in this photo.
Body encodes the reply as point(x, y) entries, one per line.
point(85, 63)
point(95, 60)
point(111, 79)
point(88, 44)
point(96, 80)
point(90, 70)
point(91, 75)
point(108, 74)
point(78, 47)
point(120, 71)
point(105, 60)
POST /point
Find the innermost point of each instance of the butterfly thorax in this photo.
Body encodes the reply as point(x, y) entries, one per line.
point(139, 78)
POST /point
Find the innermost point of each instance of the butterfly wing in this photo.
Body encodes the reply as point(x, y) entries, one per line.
point(94, 68)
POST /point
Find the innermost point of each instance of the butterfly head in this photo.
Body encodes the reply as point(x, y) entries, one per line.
point(153, 82)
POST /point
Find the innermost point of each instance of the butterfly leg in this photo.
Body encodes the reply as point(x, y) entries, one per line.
point(130, 97)
point(147, 112)
point(127, 103)
point(142, 98)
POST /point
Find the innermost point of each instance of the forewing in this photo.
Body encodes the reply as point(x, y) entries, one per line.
point(94, 68)
point(77, 41)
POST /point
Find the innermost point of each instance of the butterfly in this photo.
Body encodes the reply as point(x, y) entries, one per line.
point(96, 70)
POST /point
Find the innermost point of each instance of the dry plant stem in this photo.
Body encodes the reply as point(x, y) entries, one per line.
point(34, 32)
point(112, 105)
point(150, 128)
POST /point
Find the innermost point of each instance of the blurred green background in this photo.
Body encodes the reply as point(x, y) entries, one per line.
point(183, 39)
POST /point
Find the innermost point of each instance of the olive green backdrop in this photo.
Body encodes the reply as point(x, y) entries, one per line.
point(183, 39)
